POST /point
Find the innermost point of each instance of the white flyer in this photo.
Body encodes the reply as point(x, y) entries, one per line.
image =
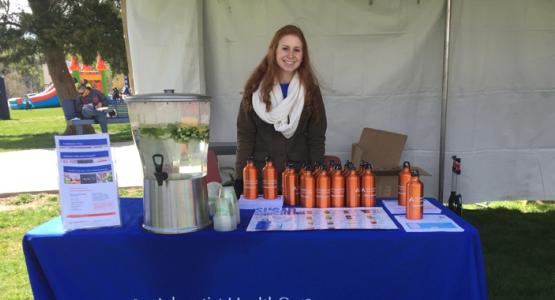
point(395, 209)
point(260, 202)
point(429, 223)
point(294, 218)
point(87, 180)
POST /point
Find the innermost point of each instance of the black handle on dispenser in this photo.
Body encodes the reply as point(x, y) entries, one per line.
point(158, 160)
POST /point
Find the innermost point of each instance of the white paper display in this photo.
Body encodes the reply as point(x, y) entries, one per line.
point(293, 218)
point(260, 202)
point(395, 209)
point(87, 179)
point(429, 223)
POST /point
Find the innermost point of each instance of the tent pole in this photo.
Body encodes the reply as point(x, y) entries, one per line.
point(445, 85)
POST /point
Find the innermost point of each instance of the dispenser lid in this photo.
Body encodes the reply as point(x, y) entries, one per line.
point(169, 95)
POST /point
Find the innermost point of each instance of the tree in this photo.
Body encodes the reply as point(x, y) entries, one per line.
point(56, 28)
point(4, 110)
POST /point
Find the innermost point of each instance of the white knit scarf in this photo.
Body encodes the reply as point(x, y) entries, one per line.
point(285, 113)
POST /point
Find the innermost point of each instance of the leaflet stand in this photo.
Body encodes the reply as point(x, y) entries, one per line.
point(87, 181)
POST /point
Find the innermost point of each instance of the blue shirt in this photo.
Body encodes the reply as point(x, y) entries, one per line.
point(284, 87)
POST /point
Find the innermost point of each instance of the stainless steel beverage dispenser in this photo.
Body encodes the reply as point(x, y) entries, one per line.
point(171, 133)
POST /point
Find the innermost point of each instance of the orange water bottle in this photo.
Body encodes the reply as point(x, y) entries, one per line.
point(352, 188)
point(337, 187)
point(291, 187)
point(269, 180)
point(361, 167)
point(250, 180)
point(345, 171)
point(331, 166)
point(404, 178)
point(284, 190)
point(302, 173)
point(316, 169)
point(323, 188)
point(415, 197)
point(368, 186)
point(307, 190)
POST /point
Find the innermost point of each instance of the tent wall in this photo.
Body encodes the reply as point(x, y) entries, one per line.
point(501, 110)
point(380, 65)
point(166, 45)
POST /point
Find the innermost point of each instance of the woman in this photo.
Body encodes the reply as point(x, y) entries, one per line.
point(282, 113)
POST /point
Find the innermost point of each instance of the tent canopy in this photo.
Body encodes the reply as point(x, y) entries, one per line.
point(379, 64)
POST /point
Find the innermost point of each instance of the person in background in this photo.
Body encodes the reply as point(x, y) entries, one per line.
point(125, 92)
point(115, 94)
point(89, 102)
point(282, 112)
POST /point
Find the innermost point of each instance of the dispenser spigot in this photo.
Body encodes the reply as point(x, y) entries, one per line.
point(158, 160)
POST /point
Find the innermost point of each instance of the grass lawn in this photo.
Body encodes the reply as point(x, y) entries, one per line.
point(519, 247)
point(35, 129)
point(517, 240)
point(19, 214)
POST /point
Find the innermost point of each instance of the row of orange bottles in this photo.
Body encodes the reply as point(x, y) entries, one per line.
point(269, 180)
point(323, 188)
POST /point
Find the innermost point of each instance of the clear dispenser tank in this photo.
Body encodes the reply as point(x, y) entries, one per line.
point(171, 134)
point(175, 126)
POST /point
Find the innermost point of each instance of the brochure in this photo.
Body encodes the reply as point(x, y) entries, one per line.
point(293, 218)
point(87, 180)
point(260, 202)
point(395, 209)
point(429, 223)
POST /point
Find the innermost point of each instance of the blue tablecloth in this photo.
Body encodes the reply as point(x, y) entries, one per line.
point(130, 263)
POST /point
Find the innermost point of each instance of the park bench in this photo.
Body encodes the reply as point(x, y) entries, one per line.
point(116, 109)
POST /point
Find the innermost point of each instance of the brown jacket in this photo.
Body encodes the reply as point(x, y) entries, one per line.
point(259, 139)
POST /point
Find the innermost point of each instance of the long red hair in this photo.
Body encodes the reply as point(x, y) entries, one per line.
point(266, 73)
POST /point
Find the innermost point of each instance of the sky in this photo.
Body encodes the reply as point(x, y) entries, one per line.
point(16, 5)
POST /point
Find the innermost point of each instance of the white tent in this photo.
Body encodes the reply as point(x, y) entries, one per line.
point(380, 65)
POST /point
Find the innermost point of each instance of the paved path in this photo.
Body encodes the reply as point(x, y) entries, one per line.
point(37, 171)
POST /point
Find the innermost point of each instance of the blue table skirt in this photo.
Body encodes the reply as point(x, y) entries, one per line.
point(130, 263)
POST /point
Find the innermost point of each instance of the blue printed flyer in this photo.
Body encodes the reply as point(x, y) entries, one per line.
point(429, 223)
point(87, 180)
point(296, 218)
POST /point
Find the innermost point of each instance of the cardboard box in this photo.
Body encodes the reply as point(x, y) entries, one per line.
point(383, 149)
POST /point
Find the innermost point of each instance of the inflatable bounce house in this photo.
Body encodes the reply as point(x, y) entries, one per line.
point(46, 98)
point(49, 97)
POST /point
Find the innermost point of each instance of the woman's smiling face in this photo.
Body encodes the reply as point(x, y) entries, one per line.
point(289, 56)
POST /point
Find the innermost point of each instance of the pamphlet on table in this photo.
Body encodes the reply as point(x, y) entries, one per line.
point(429, 223)
point(395, 209)
point(294, 218)
point(87, 180)
point(260, 202)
